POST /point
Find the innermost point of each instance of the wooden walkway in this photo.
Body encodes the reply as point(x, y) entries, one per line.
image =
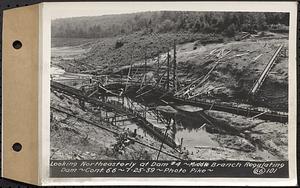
point(247, 112)
point(213, 105)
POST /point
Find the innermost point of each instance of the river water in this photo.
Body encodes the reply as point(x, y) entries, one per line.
point(186, 127)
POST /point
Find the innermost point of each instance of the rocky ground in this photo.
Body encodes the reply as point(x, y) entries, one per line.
point(257, 139)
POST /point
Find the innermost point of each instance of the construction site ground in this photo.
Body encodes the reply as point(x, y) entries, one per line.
point(75, 139)
point(230, 82)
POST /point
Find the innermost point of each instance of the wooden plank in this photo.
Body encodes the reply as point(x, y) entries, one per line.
point(265, 72)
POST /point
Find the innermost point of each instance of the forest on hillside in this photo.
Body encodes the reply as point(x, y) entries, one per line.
point(225, 23)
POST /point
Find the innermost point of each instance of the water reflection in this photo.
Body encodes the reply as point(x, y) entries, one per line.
point(186, 126)
point(191, 130)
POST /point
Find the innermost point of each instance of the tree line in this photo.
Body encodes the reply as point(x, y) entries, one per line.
point(226, 23)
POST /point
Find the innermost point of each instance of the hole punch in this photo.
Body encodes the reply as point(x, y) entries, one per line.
point(17, 44)
point(17, 147)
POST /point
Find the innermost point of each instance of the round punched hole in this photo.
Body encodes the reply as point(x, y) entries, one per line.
point(17, 147)
point(17, 44)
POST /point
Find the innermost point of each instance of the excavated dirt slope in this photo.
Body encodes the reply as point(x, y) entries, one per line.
point(236, 73)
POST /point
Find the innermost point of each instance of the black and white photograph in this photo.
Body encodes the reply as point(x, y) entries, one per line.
point(170, 86)
point(194, 85)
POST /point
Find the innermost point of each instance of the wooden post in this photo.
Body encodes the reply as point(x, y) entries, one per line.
point(106, 80)
point(158, 60)
point(181, 142)
point(81, 102)
point(51, 116)
point(174, 127)
point(106, 115)
point(174, 69)
point(100, 115)
point(162, 143)
point(168, 72)
point(145, 68)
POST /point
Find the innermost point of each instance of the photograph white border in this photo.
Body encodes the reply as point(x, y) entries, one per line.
point(53, 10)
